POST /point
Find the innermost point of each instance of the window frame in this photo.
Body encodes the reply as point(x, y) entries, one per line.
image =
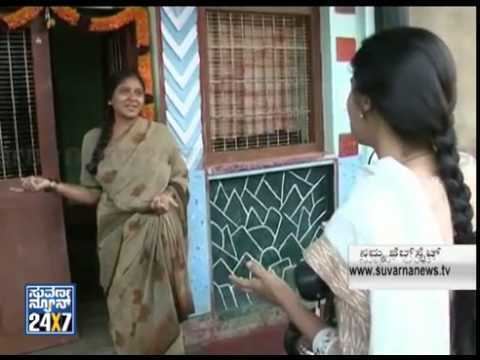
point(316, 120)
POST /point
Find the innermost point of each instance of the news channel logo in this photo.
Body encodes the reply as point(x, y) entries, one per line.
point(50, 309)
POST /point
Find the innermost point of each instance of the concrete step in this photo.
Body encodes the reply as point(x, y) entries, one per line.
point(261, 341)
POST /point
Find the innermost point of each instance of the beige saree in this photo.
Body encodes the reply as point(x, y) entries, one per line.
point(142, 255)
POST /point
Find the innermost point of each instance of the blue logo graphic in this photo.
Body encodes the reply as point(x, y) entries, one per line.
point(50, 309)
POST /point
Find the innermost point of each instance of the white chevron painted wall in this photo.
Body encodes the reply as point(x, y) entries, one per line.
point(182, 79)
point(182, 89)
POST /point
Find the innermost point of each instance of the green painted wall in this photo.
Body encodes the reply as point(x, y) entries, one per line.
point(77, 67)
point(270, 217)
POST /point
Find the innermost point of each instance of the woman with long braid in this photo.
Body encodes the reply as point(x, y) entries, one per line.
point(403, 94)
point(135, 175)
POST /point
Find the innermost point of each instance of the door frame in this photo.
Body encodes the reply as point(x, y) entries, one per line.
point(44, 242)
point(44, 99)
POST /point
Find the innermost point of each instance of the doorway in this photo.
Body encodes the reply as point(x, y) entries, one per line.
point(81, 64)
point(52, 87)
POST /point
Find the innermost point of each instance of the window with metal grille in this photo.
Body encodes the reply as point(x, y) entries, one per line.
point(19, 148)
point(259, 80)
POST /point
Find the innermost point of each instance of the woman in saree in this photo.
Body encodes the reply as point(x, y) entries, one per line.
point(403, 94)
point(133, 172)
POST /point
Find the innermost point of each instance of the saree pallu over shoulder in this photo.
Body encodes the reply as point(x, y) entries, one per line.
point(142, 255)
point(351, 306)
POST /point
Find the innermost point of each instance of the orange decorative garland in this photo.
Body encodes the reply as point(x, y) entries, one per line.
point(148, 111)
point(110, 23)
point(21, 17)
point(67, 14)
point(71, 16)
point(142, 29)
point(113, 22)
point(144, 66)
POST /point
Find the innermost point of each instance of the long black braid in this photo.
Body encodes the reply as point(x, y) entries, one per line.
point(463, 309)
point(103, 140)
point(458, 193)
point(409, 75)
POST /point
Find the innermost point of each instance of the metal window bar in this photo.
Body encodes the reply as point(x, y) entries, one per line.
point(307, 85)
point(222, 86)
point(254, 69)
point(29, 104)
point(2, 154)
point(14, 107)
point(244, 87)
point(19, 153)
point(296, 102)
point(232, 84)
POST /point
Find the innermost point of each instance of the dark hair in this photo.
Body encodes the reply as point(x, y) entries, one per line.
point(410, 77)
point(107, 126)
